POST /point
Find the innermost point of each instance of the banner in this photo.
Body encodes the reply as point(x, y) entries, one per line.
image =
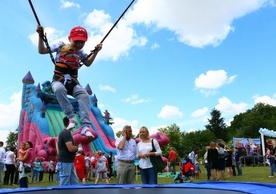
point(249, 146)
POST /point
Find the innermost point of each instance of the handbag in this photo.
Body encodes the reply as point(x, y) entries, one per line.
point(27, 169)
point(156, 161)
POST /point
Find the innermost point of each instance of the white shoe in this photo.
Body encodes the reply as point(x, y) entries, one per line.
point(271, 176)
point(72, 124)
point(85, 131)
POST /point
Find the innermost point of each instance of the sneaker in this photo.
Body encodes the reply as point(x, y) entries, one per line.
point(270, 176)
point(72, 124)
point(85, 131)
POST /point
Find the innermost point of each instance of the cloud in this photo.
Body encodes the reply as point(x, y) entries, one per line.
point(154, 46)
point(107, 88)
point(134, 99)
point(170, 112)
point(213, 79)
point(97, 24)
point(266, 100)
point(119, 123)
point(67, 4)
point(192, 21)
point(200, 112)
point(229, 108)
point(9, 115)
point(52, 34)
point(154, 129)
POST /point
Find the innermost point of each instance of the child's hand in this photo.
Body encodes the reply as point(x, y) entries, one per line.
point(40, 30)
point(98, 47)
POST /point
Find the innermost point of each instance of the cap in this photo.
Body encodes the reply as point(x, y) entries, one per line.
point(80, 149)
point(99, 152)
point(78, 33)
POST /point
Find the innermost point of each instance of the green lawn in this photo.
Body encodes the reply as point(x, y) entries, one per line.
point(250, 174)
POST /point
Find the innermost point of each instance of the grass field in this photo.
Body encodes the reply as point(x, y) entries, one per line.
point(258, 174)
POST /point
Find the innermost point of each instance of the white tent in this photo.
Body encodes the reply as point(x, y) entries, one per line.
point(266, 132)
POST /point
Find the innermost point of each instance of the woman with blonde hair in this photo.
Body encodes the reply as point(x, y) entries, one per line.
point(144, 148)
point(212, 158)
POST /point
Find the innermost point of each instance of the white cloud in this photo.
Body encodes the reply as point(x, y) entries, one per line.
point(213, 79)
point(200, 112)
point(119, 123)
point(67, 4)
point(154, 46)
point(107, 88)
point(154, 129)
point(266, 100)
point(192, 21)
point(52, 34)
point(229, 108)
point(97, 24)
point(170, 112)
point(9, 115)
point(134, 99)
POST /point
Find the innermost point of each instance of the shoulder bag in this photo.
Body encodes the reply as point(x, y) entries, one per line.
point(156, 161)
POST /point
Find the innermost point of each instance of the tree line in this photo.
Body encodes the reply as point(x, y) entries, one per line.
point(245, 125)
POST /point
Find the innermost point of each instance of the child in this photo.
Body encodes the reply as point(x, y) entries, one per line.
point(51, 169)
point(57, 174)
point(21, 153)
point(41, 170)
point(87, 167)
point(101, 167)
point(79, 164)
point(197, 171)
point(69, 58)
point(36, 166)
point(271, 159)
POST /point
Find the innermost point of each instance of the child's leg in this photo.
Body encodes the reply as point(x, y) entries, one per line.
point(106, 178)
point(97, 177)
point(20, 168)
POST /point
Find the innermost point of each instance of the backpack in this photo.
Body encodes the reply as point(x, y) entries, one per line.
point(101, 165)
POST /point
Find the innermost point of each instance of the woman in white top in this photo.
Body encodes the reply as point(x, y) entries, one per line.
point(144, 147)
point(10, 166)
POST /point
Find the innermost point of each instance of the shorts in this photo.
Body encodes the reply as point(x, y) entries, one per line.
point(102, 175)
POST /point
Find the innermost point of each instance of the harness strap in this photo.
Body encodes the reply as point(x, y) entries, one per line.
point(62, 68)
point(69, 84)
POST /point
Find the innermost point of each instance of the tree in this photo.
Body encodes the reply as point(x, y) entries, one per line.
point(217, 125)
point(174, 134)
point(197, 139)
point(248, 124)
point(12, 139)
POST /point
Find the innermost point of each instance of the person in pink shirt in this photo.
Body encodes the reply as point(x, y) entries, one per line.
point(27, 160)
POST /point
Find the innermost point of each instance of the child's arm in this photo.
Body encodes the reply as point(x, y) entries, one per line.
point(22, 151)
point(42, 49)
point(90, 59)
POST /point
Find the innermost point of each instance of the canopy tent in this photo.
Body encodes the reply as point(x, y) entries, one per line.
point(266, 132)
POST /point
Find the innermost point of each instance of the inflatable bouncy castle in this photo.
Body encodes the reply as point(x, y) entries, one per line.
point(41, 120)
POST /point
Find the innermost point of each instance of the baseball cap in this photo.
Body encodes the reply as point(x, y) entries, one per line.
point(78, 33)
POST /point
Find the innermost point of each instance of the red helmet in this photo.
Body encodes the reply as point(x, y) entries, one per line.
point(78, 33)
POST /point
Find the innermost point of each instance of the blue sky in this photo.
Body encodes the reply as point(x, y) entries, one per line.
point(167, 61)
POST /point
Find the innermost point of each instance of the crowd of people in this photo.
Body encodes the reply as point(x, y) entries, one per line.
point(219, 159)
point(70, 169)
